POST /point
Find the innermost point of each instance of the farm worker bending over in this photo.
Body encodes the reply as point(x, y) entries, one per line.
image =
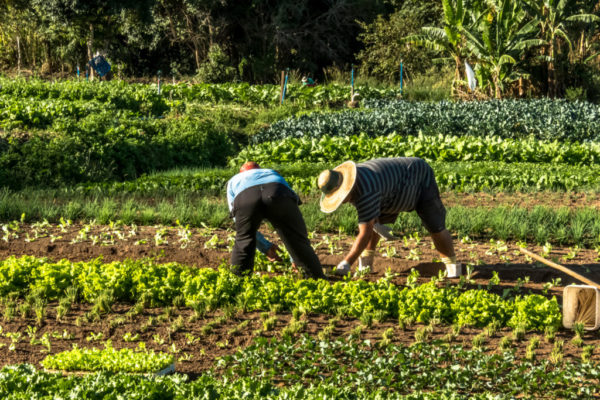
point(380, 189)
point(256, 194)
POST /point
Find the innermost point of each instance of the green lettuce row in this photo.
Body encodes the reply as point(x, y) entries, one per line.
point(137, 360)
point(431, 148)
point(544, 119)
point(540, 380)
point(160, 284)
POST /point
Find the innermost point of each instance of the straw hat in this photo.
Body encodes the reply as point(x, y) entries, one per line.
point(336, 184)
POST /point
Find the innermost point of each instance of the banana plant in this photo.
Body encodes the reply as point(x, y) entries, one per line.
point(498, 40)
point(553, 17)
point(447, 40)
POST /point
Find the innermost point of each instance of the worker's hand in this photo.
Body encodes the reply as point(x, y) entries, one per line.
point(343, 268)
point(272, 253)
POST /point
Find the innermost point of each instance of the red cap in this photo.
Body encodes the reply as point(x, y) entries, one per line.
point(249, 165)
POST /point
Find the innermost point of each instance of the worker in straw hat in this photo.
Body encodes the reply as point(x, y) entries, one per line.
point(379, 190)
point(256, 194)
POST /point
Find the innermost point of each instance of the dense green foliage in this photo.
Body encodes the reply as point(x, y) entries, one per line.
point(543, 119)
point(477, 376)
point(109, 359)
point(363, 364)
point(159, 284)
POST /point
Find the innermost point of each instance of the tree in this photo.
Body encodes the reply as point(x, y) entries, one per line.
point(553, 17)
point(382, 39)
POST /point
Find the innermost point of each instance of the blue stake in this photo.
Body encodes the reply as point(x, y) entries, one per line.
point(352, 80)
point(400, 77)
point(77, 71)
point(285, 85)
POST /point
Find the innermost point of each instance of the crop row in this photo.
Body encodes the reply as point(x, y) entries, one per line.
point(431, 148)
point(543, 119)
point(118, 94)
point(451, 176)
point(158, 284)
point(137, 360)
point(421, 366)
point(23, 382)
point(135, 96)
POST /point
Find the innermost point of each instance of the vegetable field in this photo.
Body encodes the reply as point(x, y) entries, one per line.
point(115, 241)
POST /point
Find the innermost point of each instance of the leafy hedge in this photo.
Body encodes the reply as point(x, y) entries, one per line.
point(433, 147)
point(159, 284)
point(109, 145)
point(543, 119)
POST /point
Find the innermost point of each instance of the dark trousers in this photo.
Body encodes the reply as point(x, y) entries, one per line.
point(278, 204)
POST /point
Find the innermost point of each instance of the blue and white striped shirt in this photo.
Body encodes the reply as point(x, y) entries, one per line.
point(389, 185)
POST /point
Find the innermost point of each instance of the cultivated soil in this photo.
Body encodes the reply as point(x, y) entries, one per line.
point(198, 348)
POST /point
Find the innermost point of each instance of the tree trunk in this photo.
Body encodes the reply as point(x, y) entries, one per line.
point(197, 55)
point(89, 50)
point(521, 89)
point(551, 72)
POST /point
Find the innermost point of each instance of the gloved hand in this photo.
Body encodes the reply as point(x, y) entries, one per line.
point(365, 261)
point(343, 268)
point(384, 231)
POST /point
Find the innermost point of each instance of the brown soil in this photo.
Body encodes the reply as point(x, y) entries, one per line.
point(198, 350)
point(522, 200)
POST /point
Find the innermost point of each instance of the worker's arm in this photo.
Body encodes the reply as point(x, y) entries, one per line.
point(365, 230)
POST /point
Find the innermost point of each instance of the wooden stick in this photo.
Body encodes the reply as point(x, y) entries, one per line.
point(560, 268)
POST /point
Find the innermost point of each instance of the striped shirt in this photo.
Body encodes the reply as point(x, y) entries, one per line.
point(389, 185)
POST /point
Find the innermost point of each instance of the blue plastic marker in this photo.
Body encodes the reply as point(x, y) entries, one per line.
point(285, 85)
point(352, 79)
point(400, 77)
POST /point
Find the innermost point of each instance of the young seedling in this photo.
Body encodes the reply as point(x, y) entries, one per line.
point(586, 353)
point(40, 310)
point(421, 335)
point(550, 333)
point(556, 356)
point(579, 329)
point(387, 337)
point(479, 340)
point(505, 343)
point(519, 332)
point(492, 328)
point(239, 327)
point(533, 344)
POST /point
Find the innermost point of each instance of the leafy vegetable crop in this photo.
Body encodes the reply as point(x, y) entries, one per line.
point(109, 359)
point(161, 283)
point(543, 119)
point(429, 147)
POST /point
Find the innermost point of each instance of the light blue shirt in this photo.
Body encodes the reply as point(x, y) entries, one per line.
point(252, 177)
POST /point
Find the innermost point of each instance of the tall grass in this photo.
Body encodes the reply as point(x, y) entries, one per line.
point(540, 224)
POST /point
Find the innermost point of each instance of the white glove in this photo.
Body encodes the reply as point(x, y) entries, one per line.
point(343, 268)
point(365, 261)
point(384, 231)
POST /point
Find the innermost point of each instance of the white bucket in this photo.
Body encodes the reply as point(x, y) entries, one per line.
point(571, 305)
